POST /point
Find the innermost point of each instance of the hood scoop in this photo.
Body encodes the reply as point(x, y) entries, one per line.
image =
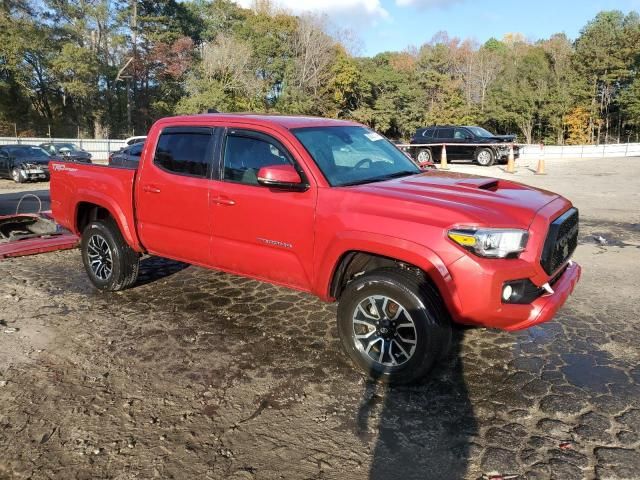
point(490, 184)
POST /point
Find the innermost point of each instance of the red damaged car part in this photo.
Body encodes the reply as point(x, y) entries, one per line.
point(29, 234)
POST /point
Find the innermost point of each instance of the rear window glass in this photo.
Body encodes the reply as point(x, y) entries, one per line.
point(445, 133)
point(428, 133)
point(185, 153)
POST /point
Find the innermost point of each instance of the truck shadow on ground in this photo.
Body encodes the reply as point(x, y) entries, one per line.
point(153, 269)
point(422, 431)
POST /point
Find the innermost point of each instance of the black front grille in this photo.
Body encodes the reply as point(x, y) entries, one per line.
point(561, 241)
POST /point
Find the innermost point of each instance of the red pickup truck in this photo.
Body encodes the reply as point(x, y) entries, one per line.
point(332, 208)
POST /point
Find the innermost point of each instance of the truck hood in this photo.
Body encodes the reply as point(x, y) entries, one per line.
point(483, 201)
point(502, 138)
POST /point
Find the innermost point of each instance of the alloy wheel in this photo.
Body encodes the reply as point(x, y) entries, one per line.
point(384, 331)
point(424, 156)
point(100, 258)
point(484, 157)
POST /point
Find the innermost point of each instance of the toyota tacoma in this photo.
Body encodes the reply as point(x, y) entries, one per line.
point(332, 208)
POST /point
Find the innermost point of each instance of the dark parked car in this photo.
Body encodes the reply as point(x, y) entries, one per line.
point(24, 162)
point(464, 140)
point(67, 151)
point(127, 156)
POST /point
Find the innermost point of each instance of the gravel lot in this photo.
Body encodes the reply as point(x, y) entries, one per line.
point(198, 374)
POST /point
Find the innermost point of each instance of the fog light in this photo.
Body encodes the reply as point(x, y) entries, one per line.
point(506, 292)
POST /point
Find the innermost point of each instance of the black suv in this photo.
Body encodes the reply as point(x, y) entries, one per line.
point(460, 138)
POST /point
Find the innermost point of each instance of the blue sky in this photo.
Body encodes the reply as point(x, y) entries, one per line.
point(395, 24)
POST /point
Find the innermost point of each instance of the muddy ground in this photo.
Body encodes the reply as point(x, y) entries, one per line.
point(197, 374)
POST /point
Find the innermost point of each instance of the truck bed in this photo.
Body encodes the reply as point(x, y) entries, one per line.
point(73, 184)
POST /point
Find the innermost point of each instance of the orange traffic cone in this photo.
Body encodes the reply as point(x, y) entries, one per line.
point(540, 169)
point(443, 159)
point(511, 162)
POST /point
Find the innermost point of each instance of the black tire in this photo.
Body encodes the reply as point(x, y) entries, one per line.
point(431, 333)
point(424, 155)
point(124, 262)
point(17, 176)
point(485, 157)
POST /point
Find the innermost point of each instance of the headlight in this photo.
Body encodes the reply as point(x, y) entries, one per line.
point(491, 242)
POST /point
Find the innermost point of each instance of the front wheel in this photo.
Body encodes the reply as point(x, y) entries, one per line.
point(393, 325)
point(18, 175)
point(424, 156)
point(485, 157)
point(110, 262)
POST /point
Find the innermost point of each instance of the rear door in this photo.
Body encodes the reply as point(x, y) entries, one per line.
point(172, 195)
point(260, 231)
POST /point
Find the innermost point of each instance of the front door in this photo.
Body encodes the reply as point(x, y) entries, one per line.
point(463, 137)
point(260, 231)
point(172, 195)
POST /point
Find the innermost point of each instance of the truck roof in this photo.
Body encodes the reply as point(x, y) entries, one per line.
point(286, 121)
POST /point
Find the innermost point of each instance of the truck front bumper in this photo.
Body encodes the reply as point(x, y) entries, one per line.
point(478, 291)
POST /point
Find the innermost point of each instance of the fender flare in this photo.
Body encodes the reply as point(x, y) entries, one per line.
point(387, 246)
point(119, 215)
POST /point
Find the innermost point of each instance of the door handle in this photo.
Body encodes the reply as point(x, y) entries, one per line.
point(223, 201)
point(151, 189)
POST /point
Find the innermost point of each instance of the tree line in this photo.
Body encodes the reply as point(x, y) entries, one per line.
point(109, 68)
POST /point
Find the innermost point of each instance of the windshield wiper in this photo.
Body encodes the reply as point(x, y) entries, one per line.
point(403, 173)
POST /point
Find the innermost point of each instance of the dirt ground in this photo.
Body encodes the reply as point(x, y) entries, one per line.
point(196, 374)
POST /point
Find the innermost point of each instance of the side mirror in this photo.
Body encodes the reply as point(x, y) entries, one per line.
point(284, 177)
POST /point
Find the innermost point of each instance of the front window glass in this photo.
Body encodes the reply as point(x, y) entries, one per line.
point(67, 146)
point(480, 132)
point(354, 155)
point(28, 152)
point(461, 134)
point(245, 156)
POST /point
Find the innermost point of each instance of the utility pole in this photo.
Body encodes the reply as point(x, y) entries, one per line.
point(131, 89)
point(134, 40)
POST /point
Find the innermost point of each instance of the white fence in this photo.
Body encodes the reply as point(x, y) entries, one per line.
point(581, 151)
point(99, 149)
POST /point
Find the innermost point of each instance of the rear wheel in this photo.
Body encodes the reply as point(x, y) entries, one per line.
point(485, 157)
point(424, 156)
point(392, 324)
point(110, 262)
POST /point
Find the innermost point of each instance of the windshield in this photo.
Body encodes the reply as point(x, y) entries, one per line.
point(480, 132)
point(68, 146)
point(352, 155)
point(27, 152)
